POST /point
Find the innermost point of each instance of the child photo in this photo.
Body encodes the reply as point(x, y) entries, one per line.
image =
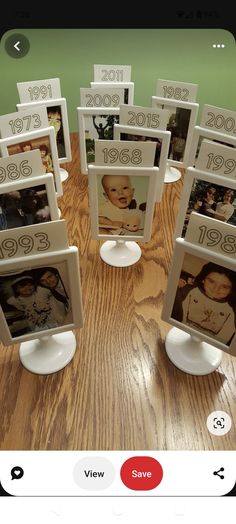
point(36, 299)
point(205, 298)
point(211, 200)
point(122, 204)
point(98, 127)
point(41, 143)
point(178, 125)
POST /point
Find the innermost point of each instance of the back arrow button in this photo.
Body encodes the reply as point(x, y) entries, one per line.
point(16, 45)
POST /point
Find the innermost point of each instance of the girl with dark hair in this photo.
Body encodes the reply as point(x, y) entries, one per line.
point(208, 305)
point(49, 278)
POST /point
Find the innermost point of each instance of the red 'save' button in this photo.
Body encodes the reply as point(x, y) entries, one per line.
point(141, 473)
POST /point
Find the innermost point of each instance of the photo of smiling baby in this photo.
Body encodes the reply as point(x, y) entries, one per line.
point(122, 204)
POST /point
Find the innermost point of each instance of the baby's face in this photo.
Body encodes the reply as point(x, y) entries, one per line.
point(132, 223)
point(118, 189)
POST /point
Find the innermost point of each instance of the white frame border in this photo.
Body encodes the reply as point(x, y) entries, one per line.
point(26, 137)
point(150, 172)
point(70, 256)
point(181, 248)
point(46, 180)
point(64, 116)
point(191, 174)
point(209, 135)
point(90, 111)
point(155, 133)
point(193, 106)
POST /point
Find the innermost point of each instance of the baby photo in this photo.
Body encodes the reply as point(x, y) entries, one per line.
point(205, 298)
point(97, 127)
point(35, 299)
point(122, 204)
point(211, 200)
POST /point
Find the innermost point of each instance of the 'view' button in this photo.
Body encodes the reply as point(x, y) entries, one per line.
point(141, 473)
point(94, 473)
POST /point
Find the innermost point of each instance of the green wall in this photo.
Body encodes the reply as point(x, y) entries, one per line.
point(184, 55)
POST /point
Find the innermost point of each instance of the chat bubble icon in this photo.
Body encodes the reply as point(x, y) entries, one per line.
point(17, 473)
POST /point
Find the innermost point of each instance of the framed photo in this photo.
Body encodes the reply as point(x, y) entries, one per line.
point(40, 295)
point(127, 86)
point(209, 195)
point(200, 133)
point(162, 139)
point(122, 202)
point(182, 119)
point(27, 202)
point(94, 123)
point(45, 141)
point(58, 118)
point(200, 296)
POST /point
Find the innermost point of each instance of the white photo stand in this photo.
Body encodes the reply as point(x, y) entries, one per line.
point(42, 139)
point(201, 133)
point(162, 139)
point(127, 86)
point(204, 193)
point(182, 120)
point(204, 327)
point(43, 323)
point(57, 118)
point(27, 202)
point(122, 206)
point(94, 123)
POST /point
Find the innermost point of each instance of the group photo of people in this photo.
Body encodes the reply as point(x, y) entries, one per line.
point(35, 299)
point(24, 207)
point(205, 298)
point(122, 204)
point(211, 200)
point(98, 127)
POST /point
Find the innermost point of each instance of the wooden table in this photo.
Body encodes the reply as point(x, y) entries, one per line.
point(120, 391)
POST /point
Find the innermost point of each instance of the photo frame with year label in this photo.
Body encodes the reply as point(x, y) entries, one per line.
point(45, 141)
point(162, 140)
point(122, 202)
point(127, 86)
point(28, 202)
point(94, 123)
point(40, 295)
point(208, 195)
point(200, 295)
point(182, 119)
point(58, 118)
point(201, 133)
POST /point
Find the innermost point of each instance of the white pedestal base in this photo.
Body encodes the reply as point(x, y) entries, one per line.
point(120, 253)
point(190, 354)
point(47, 355)
point(63, 174)
point(171, 175)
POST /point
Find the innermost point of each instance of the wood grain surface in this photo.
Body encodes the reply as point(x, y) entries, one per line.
point(120, 391)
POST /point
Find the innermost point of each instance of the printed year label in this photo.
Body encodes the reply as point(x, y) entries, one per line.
point(39, 90)
point(93, 97)
point(124, 153)
point(139, 116)
point(9, 247)
point(219, 120)
point(217, 158)
point(176, 90)
point(211, 234)
point(112, 73)
point(20, 166)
